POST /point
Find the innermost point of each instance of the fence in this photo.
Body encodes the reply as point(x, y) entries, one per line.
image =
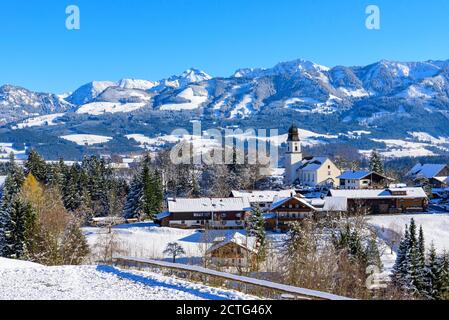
point(244, 284)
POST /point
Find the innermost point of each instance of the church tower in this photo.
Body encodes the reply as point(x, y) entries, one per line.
point(293, 156)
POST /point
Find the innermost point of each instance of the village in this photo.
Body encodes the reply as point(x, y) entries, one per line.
point(248, 231)
point(315, 188)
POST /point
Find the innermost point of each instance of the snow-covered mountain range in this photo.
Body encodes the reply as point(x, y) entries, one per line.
point(388, 99)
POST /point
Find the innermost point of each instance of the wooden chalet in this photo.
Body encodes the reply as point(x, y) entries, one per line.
point(233, 251)
point(215, 213)
point(384, 201)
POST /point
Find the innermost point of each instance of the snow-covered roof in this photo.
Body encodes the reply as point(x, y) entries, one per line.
point(313, 164)
point(248, 243)
point(162, 215)
point(378, 193)
point(257, 196)
point(357, 175)
point(360, 174)
point(208, 204)
point(280, 202)
point(427, 170)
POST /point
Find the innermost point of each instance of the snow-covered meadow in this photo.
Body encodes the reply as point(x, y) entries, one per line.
point(28, 281)
point(435, 227)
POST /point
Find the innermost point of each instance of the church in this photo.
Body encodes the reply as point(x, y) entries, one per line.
point(307, 171)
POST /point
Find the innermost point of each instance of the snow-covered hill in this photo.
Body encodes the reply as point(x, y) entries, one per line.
point(389, 99)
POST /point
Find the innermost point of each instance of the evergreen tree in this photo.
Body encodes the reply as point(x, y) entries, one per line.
point(400, 268)
point(372, 254)
point(11, 189)
point(133, 204)
point(36, 165)
point(74, 245)
point(147, 191)
point(443, 277)
point(376, 164)
point(19, 232)
point(256, 228)
point(432, 274)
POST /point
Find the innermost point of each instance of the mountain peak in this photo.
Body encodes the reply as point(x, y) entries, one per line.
point(195, 75)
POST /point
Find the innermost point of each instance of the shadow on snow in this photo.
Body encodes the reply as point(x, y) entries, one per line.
point(155, 283)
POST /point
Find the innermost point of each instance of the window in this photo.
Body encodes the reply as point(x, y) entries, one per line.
point(296, 148)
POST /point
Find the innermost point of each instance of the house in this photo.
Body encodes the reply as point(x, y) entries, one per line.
point(308, 171)
point(436, 175)
point(287, 210)
point(363, 180)
point(296, 208)
point(391, 200)
point(262, 199)
point(318, 172)
point(233, 251)
point(226, 213)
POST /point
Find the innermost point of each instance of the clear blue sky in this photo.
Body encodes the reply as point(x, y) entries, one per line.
point(152, 39)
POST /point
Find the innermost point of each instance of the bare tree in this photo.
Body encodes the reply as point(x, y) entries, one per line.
point(174, 249)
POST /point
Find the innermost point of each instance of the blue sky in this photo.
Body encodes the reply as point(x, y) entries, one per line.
point(153, 39)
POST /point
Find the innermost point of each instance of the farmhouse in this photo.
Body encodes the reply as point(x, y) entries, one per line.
point(287, 210)
point(383, 201)
point(436, 175)
point(363, 180)
point(235, 250)
point(263, 199)
point(296, 208)
point(226, 213)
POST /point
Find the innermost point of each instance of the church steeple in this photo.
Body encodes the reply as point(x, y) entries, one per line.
point(293, 133)
point(293, 141)
point(293, 157)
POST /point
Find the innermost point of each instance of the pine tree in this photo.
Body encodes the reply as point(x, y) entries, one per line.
point(421, 284)
point(432, 274)
point(147, 191)
point(375, 164)
point(400, 268)
point(443, 277)
point(19, 232)
point(256, 228)
point(36, 165)
point(372, 254)
point(74, 245)
point(11, 190)
point(133, 204)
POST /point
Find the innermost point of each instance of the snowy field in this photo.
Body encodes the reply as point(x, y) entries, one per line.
point(147, 240)
point(435, 227)
point(24, 281)
point(89, 139)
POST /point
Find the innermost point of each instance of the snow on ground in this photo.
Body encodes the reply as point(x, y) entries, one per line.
point(147, 240)
point(194, 98)
point(397, 148)
point(99, 108)
point(7, 148)
point(89, 139)
point(425, 137)
point(243, 108)
point(46, 120)
point(30, 282)
point(16, 264)
point(200, 144)
point(435, 227)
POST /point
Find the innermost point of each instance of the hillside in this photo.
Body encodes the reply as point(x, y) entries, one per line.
point(399, 108)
